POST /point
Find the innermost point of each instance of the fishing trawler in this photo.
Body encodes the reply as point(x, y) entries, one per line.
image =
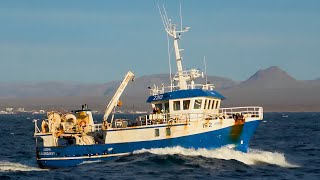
point(185, 114)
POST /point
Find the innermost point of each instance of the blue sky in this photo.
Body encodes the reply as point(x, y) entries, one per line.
point(98, 41)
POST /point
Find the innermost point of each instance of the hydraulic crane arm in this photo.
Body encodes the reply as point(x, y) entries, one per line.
point(114, 101)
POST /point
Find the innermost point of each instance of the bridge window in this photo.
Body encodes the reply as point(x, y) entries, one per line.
point(176, 105)
point(217, 104)
point(186, 104)
point(156, 133)
point(197, 103)
point(159, 106)
point(205, 104)
point(213, 104)
point(209, 103)
point(166, 107)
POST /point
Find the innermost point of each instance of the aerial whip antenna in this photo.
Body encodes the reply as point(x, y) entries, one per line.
point(165, 22)
point(162, 18)
point(169, 59)
point(205, 68)
point(180, 18)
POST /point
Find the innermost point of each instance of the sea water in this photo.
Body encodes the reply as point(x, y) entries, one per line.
point(285, 146)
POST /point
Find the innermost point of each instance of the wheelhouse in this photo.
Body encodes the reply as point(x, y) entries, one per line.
point(186, 101)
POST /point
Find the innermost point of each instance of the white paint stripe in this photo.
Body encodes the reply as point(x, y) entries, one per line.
point(83, 157)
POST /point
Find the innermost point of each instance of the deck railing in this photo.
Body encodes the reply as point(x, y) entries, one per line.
point(156, 90)
point(182, 118)
point(96, 127)
point(249, 111)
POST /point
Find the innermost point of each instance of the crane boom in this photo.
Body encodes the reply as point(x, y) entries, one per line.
point(113, 103)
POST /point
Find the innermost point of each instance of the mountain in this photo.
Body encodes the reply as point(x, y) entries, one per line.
point(275, 90)
point(271, 88)
point(63, 95)
point(272, 77)
point(54, 88)
point(315, 82)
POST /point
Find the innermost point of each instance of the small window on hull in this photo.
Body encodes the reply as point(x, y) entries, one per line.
point(156, 133)
point(168, 131)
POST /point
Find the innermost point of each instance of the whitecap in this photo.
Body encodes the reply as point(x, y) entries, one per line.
point(11, 166)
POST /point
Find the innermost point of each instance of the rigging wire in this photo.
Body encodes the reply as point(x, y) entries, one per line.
point(169, 59)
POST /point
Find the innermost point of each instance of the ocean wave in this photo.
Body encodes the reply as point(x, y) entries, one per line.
point(6, 166)
point(253, 157)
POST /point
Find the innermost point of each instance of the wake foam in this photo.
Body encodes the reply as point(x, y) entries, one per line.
point(6, 166)
point(89, 162)
point(251, 158)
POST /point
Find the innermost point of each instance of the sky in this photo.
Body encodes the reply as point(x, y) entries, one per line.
point(98, 41)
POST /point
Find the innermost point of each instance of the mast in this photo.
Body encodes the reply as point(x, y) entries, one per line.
point(182, 80)
point(171, 31)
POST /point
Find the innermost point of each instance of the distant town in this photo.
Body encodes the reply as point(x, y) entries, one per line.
point(10, 110)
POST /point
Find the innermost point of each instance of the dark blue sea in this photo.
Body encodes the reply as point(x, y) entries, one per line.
point(285, 146)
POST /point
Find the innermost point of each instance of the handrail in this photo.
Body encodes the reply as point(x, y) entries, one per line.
point(163, 89)
point(36, 128)
point(184, 118)
point(254, 111)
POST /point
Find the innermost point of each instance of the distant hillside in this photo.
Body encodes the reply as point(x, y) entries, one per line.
point(62, 95)
point(56, 89)
point(48, 89)
point(275, 90)
point(271, 88)
point(272, 77)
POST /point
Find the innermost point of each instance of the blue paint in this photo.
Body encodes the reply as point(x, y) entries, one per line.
point(189, 93)
point(208, 140)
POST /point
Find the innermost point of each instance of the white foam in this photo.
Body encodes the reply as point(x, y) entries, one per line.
point(11, 166)
point(251, 158)
point(89, 162)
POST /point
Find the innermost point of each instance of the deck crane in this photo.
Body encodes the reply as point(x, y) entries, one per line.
point(114, 101)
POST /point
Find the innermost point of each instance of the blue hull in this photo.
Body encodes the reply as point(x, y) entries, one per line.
point(68, 156)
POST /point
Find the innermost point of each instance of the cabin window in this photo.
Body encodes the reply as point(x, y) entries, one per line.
point(186, 104)
point(213, 104)
point(166, 107)
point(176, 105)
point(159, 106)
point(217, 104)
point(197, 103)
point(205, 104)
point(156, 133)
point(168, 131)
point(209, 103)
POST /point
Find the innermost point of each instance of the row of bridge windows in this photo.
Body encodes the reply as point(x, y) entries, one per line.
point(185, 104)
point(189, 104)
